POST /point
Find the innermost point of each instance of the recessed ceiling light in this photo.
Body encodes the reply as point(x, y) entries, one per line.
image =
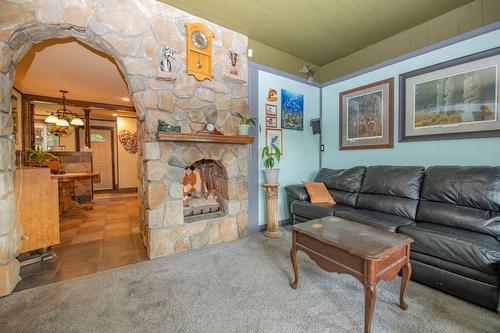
point(115, 114)
point(126, 99)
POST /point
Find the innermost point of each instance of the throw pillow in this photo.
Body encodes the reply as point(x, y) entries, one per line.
point(318, 193)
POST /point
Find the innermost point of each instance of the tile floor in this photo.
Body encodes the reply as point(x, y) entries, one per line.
point(92, 241)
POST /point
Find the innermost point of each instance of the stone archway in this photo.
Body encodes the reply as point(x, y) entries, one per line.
point(132, 32)
point(18, 45)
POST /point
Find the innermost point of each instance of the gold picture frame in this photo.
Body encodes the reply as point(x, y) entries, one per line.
point(271, 110)
point(274, 137)
point(271, 122)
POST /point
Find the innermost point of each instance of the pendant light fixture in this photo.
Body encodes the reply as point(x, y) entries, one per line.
point(77, 122)
point(51, 119)
point(63, 117)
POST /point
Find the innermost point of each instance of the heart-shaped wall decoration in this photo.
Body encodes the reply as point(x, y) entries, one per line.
point(128, 140)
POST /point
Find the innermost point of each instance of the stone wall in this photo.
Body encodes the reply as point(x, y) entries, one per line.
point(133, 33)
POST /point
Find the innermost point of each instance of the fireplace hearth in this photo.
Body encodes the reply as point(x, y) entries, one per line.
point(202, 183)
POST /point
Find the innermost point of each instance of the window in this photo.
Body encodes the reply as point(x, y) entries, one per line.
point(95, 137)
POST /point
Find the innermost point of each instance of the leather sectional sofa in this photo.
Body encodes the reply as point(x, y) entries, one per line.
point(452, 213)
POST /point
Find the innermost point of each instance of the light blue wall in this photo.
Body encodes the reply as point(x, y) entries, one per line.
point(444, 152)
point(300, 160)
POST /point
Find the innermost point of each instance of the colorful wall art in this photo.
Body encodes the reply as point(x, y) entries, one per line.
point(292, 110)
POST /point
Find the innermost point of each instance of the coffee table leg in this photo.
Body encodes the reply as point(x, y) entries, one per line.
point(293, 257)
point(407, 269)
point(370, 298)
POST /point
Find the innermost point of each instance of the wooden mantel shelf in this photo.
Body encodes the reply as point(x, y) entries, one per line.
point(188, 137)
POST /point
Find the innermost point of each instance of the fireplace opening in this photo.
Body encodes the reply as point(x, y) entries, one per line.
point(202, 188)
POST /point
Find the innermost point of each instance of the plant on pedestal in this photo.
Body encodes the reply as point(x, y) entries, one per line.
point(271, 155)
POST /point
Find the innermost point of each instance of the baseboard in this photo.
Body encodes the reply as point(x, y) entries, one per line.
point(128, 190)
point(281, 223)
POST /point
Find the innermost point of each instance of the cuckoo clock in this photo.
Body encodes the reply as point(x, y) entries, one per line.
point(199, 51)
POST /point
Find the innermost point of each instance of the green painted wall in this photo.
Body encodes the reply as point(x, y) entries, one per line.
point(269, 56)
point(453, 23)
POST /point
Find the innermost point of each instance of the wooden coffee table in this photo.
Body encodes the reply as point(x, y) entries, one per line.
point(367, 253)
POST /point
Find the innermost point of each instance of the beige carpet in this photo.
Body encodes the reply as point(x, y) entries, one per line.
point(241, 286)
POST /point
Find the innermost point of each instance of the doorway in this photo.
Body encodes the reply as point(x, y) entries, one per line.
point(108, 235)
point(103, 156)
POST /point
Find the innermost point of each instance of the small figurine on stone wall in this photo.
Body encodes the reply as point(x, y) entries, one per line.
point(166, 56)
point(234, 59)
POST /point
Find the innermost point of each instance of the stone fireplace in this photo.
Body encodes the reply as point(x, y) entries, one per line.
point(213, 171)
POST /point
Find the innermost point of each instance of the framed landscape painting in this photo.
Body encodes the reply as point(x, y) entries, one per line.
point(292, 110)
point(366, 116)
point(456, 99)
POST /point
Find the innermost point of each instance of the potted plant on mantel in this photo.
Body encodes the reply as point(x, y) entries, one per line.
point(244, 126)
point(39, 157)
point(270, 155)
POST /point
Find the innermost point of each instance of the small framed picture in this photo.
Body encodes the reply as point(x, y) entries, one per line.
point(271, 122)
point(271, 110)
point(274, 138)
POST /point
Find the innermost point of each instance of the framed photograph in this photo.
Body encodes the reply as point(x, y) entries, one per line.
point(456, 99)
point(271, 110)
point(366, 116)
point(274, 138)
point(292, 110)
point(271, 122)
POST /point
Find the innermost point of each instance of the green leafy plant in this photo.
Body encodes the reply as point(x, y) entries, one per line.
point(245, 120)
point(269, 155)
point(39, 156)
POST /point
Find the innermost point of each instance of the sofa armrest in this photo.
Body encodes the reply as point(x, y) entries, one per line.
point(297, 192)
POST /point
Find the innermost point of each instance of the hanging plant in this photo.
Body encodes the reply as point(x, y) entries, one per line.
point(128, 140)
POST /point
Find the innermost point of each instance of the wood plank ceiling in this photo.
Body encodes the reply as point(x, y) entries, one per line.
point(318, 31)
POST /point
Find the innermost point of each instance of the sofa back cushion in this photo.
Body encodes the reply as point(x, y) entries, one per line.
point(391, 189)
point(463, 197)
point(343, 184)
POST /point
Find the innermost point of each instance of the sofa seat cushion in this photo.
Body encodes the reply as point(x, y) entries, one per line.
point(315, 211)
point(376, 219)
point(463, 247)
point(491, 279)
